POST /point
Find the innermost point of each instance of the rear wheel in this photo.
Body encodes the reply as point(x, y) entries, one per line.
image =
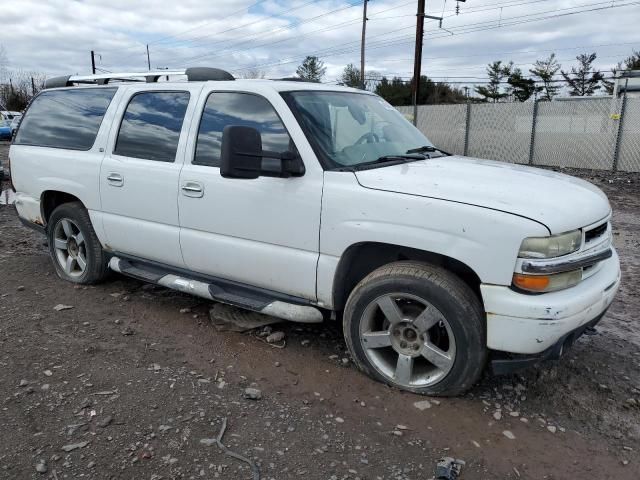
point(74, 246)
point(416, 327)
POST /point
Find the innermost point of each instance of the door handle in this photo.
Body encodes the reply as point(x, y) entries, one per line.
point(193, 189)
point(115, 179)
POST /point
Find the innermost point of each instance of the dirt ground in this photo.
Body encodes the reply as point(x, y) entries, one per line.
point(135, 381)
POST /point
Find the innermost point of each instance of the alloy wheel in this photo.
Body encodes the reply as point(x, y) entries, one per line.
point(407, 340)
point(70, 247)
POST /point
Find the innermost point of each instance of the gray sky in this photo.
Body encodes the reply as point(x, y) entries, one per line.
point(55, 37)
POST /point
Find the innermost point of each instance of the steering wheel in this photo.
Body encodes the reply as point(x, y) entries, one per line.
point(369, 137)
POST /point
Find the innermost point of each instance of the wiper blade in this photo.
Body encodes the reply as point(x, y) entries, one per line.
point(427, 149)
point(387, 160)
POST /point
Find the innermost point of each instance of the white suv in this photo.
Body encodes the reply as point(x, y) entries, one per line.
point(307, 201)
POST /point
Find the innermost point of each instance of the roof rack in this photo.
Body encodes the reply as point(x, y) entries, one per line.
point(194, 74)
point(295, 79)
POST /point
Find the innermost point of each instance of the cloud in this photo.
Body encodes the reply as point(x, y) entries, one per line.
point(55, 37)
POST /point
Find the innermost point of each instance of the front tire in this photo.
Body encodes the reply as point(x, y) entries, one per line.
point(74, 246)
point(416, 327)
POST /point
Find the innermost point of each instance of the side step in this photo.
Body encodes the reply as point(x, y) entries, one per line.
point(223, 291)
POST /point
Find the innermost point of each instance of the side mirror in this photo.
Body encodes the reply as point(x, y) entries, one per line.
point(242, 156)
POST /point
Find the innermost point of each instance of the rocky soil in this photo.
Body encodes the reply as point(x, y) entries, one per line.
point(129, 381)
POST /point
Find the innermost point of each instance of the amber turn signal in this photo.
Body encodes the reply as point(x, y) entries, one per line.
point(533, 283)
point(547, 283)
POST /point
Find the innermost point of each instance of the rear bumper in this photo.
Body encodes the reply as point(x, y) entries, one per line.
point(28, 209)
point(532, 324)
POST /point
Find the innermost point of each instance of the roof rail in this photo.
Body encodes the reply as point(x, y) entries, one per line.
point(295, 79)
point(194, 74)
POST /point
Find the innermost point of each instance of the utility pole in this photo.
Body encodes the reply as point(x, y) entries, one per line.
point(364, 31)
point(417, 64)
point(148, 59)
point(93, 62)
point(33, 87)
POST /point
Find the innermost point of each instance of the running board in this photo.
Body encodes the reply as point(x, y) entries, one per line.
point(231, 293)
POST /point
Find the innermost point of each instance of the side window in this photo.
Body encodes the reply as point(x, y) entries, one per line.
point(151, 126)
point(67, 119)
point(244, 109)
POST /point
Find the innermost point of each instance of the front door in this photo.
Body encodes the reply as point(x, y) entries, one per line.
point(140, 173)
point(262, 232)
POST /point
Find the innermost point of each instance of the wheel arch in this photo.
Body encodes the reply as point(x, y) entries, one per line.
point(51, 199)
point(360, 259)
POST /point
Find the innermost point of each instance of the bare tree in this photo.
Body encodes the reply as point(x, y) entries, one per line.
point(252, 73)
point(19, 88)
point(4, 65)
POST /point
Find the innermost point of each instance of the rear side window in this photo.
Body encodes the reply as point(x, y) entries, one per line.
point(67, 119)
point(151, 125)
point(245, 109)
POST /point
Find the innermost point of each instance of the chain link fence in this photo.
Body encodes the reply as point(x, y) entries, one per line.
point(593, 133)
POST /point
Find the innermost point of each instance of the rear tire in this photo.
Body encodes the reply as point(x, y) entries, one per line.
point(417, 327)
point(74, 246)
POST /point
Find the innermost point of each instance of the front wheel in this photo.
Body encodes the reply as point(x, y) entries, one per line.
point(416, 327)
point(74, 246)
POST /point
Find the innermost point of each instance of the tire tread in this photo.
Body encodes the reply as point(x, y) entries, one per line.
point(439, 277)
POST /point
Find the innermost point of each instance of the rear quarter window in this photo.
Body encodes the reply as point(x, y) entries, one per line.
point(68, 119)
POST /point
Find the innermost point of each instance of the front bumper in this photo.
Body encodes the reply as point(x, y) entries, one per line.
point(504, 363)
point(530, 324)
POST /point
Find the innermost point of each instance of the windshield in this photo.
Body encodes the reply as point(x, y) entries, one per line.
point(354, 128)
point(4, 123)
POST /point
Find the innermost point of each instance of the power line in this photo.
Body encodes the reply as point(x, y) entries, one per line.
point(188, 30)
point(516, 52)
point(483, 65)
point(210, 55)
point(248, 24)
point(321, 30)
point(242, 25)
point(176, 35)
point(339, 50)
point(288, 39)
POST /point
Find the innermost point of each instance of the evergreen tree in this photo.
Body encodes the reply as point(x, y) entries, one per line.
point(497, 72)
point(630, 63)
point(350, 77)
point(581, 81)
point(521, 88)
point(398, 92)
point(312, 68)
point(545, 70)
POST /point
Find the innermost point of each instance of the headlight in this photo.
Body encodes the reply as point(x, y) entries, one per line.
point(547, 283)
point(550, 247)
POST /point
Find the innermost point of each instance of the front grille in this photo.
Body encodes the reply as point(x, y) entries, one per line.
point(594, 233)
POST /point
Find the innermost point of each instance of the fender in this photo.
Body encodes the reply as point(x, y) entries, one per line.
point(484, 240)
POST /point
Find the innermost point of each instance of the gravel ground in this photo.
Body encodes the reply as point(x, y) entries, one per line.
point(135, 382)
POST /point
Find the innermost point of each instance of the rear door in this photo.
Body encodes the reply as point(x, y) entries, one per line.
point(140, 172)
point(262, 232)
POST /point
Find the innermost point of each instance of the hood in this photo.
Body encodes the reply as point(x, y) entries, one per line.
point(558, 201)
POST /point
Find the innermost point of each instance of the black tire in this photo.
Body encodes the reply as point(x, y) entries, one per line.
point(94, 258)
point(454, 301)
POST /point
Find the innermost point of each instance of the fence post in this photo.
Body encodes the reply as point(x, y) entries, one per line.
point(466, 129)
point(616, 152)
point(533, 131)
